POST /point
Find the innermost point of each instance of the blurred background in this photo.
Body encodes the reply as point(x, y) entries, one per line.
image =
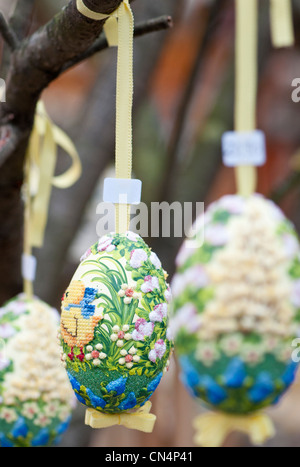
point(183, 102)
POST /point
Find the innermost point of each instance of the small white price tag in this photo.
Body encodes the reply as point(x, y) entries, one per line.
point(29, 267)
point(122, 191)
point(244, 148)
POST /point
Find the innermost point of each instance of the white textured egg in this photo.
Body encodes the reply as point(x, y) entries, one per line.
point(36, 398)
point(237, 305)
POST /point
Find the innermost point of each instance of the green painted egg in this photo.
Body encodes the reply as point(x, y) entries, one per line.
point(36, 398)
point(114, 324)
point(237, 305)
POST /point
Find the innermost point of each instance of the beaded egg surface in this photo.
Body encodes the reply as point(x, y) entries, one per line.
point(237, 305)
point(36, 398)
point(114, 324)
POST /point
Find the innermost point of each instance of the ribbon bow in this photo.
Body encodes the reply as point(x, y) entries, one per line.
point(40, 165)
point(141, 420)
point(39, 171)
point(213, 428)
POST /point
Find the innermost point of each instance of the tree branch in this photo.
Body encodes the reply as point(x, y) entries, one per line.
point(33, 65)
point(141, 29)
point(41, 57)
point(213, 17)
point(8, 34)
point(20, 19)
point(288, 185)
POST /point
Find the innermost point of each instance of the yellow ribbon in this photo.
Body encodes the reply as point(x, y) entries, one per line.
point(282, 30)
point(213, 428)
point(246, 84)
point(39, 177)
point(141, 420)
point(124, 107)
point(246, 70)
point(111, 25)
point(85, 11)
point(119, 30)
point(295, 161)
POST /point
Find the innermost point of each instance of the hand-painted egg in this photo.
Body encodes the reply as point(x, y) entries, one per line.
point(237, 305)
point(36, 398)
point(114, 324)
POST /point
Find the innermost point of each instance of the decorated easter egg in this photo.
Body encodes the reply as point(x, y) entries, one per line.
point(237, 305)
point(114, 324)
point(36, 398)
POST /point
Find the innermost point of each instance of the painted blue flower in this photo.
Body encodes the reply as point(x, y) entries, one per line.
point(235, 374)
point(191, 376)
point(214, 393)
point(290, 373)
point(154, 383)
point(63, 426)
point(41, 439)
point(128, 403)
point(4, 442)
point(80, 398)
point(262, 389)
point(192, 391)
point(20, 428)
point(118, 385)
point(95, 400)
point(146, 400)
point(74, 383)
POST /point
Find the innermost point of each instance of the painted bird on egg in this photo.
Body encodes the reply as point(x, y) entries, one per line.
point(115, 339)
point(237, 305)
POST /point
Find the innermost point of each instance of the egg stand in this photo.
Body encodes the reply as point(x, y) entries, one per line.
point(122, 190)
point(213, 427)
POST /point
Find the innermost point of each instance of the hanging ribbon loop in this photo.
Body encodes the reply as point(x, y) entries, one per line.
point(246, 70)
point(124, 107)
point(119, 30)
point(40, 166)
point(41, 163)
point(246, 84)
point(281, 19)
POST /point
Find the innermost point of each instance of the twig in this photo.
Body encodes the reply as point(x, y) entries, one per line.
point(153, 25)
point(20, 21)
point(288, 185)
point(214, 12)
point(8, 33)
